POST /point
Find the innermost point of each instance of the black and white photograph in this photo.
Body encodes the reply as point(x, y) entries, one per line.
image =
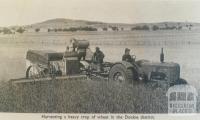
point(90, 57)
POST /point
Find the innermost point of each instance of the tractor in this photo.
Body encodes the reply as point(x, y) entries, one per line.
point(41, 64)
point(139, 71)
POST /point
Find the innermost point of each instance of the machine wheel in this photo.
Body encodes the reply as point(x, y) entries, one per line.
point(28, 72)
point(34, 72)
point(120, 74)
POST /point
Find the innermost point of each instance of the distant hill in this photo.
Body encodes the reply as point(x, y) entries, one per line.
point(62, 24)
point(67, 23)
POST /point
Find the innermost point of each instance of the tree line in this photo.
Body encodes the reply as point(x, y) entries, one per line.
point(22, 30)
point(166, 27)
point(12, 30)
point(113, 28)
point(71, 29)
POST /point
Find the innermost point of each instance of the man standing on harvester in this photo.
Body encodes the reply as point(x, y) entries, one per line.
point(98, 57)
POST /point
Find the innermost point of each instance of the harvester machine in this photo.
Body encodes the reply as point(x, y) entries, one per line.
point(48, 65)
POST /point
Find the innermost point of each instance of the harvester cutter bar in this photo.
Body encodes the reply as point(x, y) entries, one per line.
point(29, 80)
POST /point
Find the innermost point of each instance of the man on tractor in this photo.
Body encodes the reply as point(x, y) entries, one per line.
point(127, 57)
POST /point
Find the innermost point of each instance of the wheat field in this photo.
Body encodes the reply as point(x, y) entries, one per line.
point(93, 96)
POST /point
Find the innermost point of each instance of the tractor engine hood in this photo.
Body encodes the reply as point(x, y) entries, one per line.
point(166, 71)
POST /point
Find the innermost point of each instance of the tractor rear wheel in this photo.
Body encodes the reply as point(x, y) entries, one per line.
point(121, 74)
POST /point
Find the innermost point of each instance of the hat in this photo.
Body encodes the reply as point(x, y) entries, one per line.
point(97, 48)
point(72, 39)
point(127, 49)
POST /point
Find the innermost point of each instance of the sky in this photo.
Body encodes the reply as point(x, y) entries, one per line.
point(23, 12)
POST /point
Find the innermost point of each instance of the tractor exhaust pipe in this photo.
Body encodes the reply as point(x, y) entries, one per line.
point(162, 57)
